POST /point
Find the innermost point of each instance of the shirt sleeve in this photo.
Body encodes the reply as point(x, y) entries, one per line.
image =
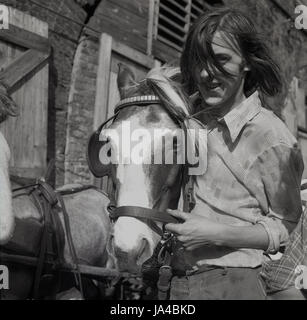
point(280, 168)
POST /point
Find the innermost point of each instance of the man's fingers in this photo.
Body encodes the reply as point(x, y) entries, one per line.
point(173, 227)
point(181, 216)
point(184, 239)
point(178, 214)
point(190, 246)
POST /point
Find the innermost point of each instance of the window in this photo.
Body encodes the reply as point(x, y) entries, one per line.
point(174, 18)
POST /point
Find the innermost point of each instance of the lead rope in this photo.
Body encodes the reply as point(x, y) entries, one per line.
point(165, 271)
point(42, 252)
point(76, 272)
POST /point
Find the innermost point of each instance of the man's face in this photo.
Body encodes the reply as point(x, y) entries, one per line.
point(220, 89)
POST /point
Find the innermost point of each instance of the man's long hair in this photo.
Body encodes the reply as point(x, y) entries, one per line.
point(240, 34)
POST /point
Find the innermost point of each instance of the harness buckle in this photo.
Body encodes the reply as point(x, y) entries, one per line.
point(164, 283)
point(48, 192)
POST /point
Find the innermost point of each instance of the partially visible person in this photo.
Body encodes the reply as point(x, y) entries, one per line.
point(7, 108)
point(286, 278)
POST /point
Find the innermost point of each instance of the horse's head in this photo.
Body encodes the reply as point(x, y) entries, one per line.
point(145, 142)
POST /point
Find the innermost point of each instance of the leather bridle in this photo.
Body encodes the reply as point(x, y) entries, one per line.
point(141, 213)
point(154, 215)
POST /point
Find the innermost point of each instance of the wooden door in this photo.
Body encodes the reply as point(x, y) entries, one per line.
point(24, 57)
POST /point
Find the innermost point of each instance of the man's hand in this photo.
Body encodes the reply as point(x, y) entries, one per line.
point(195, 231)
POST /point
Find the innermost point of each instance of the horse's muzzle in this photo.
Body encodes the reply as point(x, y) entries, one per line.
point(131, 261)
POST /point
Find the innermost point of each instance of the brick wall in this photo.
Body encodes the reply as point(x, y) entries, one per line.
point(126, 20)
point(81, 110)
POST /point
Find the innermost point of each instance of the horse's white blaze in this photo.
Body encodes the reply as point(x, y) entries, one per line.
point(133, 186)
point(6, 211)
point(133, 190)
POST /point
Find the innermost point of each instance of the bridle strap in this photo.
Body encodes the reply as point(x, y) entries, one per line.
point(140, 100)
point(142, 213)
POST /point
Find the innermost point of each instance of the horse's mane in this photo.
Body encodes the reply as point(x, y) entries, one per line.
point(164, 82)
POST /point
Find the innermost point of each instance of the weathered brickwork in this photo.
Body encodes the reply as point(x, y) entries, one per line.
point(81, 110)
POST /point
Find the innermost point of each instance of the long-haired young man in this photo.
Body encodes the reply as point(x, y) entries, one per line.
point(248, 201)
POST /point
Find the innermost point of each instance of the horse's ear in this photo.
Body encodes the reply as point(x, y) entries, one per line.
point(125, 79)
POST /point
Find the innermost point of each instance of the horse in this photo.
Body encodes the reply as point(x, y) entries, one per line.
point(158, 114)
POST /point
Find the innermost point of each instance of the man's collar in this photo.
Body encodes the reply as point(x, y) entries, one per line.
point(237, 118)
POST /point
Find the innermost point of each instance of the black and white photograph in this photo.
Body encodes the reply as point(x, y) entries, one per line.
point(153, 153)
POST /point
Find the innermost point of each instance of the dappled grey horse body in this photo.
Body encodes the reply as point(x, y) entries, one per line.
point(89, 228)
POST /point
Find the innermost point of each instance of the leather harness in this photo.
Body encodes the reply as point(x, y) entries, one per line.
point(44, 241)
